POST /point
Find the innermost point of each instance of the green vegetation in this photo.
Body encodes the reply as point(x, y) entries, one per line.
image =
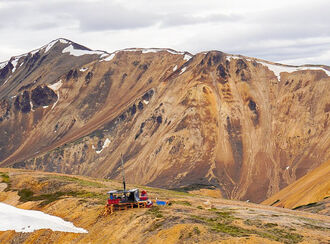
point(281, 235)
point(165, 192)
point(4, 177)
point(231, 230)
point(155, 226)
point(254, 222)
point(270, 225)
point(223, 223)
point(315, 227)
point(199, 207)
point(155, 211)
point(193, 187)
point(196, 230)
point(225, 215)
point(28, 195)
point(80, 182)
point(258, 223)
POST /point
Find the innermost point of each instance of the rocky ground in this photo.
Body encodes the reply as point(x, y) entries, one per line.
point(191, 218)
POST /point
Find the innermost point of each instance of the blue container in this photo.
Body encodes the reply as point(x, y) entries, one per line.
point(160, 203)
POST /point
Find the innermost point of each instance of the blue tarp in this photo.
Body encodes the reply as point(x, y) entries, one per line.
point(161, 203)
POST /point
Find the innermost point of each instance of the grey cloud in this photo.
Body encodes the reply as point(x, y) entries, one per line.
point(107, 15)
point(44, 25)
point(181, 19)
point(275, 34)
point(114, 18)
point(25, 15)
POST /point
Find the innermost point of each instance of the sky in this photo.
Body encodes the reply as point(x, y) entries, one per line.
point(286, 31)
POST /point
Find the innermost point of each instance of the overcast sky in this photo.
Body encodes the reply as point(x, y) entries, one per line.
point(289, 31)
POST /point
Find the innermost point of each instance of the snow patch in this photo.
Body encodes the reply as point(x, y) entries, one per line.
point(63, 41)
point(109, 58)
point(3, 64)
point(278, 69)
point(22, 220)
point(173, 52)
point(105, 144)
point(183, 70)
point(14, 63)
point(151, 50)
point(83, 69)
point(31, 104)
point(45, 106)
point(58, 98)
point(56, 85)
point(175, 68)
point(130, 50)
point(145, 101)
point(104, 55)
point(78, 52)
point(50, 45)
point(288, 167)
point(34, 51)
point(229, 57)
point(187, 57)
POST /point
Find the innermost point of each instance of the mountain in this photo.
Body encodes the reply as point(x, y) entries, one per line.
point(246, 126)
point(190, 219)
point(310, 193)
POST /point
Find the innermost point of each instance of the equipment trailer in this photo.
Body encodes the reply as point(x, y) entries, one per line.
point(126, 199)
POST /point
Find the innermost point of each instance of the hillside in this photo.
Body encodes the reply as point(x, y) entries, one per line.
point(246, 126)
point(310, 193)
point(190, 219)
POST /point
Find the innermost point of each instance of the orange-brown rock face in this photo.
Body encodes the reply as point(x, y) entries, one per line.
point(246, 126)
point(311, 190)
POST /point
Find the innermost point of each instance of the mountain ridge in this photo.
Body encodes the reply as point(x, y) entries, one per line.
point(163, 49)
point(179, 120)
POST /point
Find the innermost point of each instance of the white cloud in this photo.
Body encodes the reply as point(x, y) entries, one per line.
point(293, 31)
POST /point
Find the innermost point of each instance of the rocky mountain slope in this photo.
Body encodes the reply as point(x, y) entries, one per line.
point(246, 126)
point(311, 192)
point(190, 219)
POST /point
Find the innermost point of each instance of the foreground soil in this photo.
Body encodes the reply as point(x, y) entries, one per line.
point(191, 218)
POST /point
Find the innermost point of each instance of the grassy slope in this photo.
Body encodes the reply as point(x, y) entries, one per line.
point(191, 218)
point(311, 188)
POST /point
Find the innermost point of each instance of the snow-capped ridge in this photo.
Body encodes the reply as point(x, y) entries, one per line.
point(186, 55)
point(78, 52)
point(278, 68)
point(52, 43)
point(3, 64)
point(108, 57)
